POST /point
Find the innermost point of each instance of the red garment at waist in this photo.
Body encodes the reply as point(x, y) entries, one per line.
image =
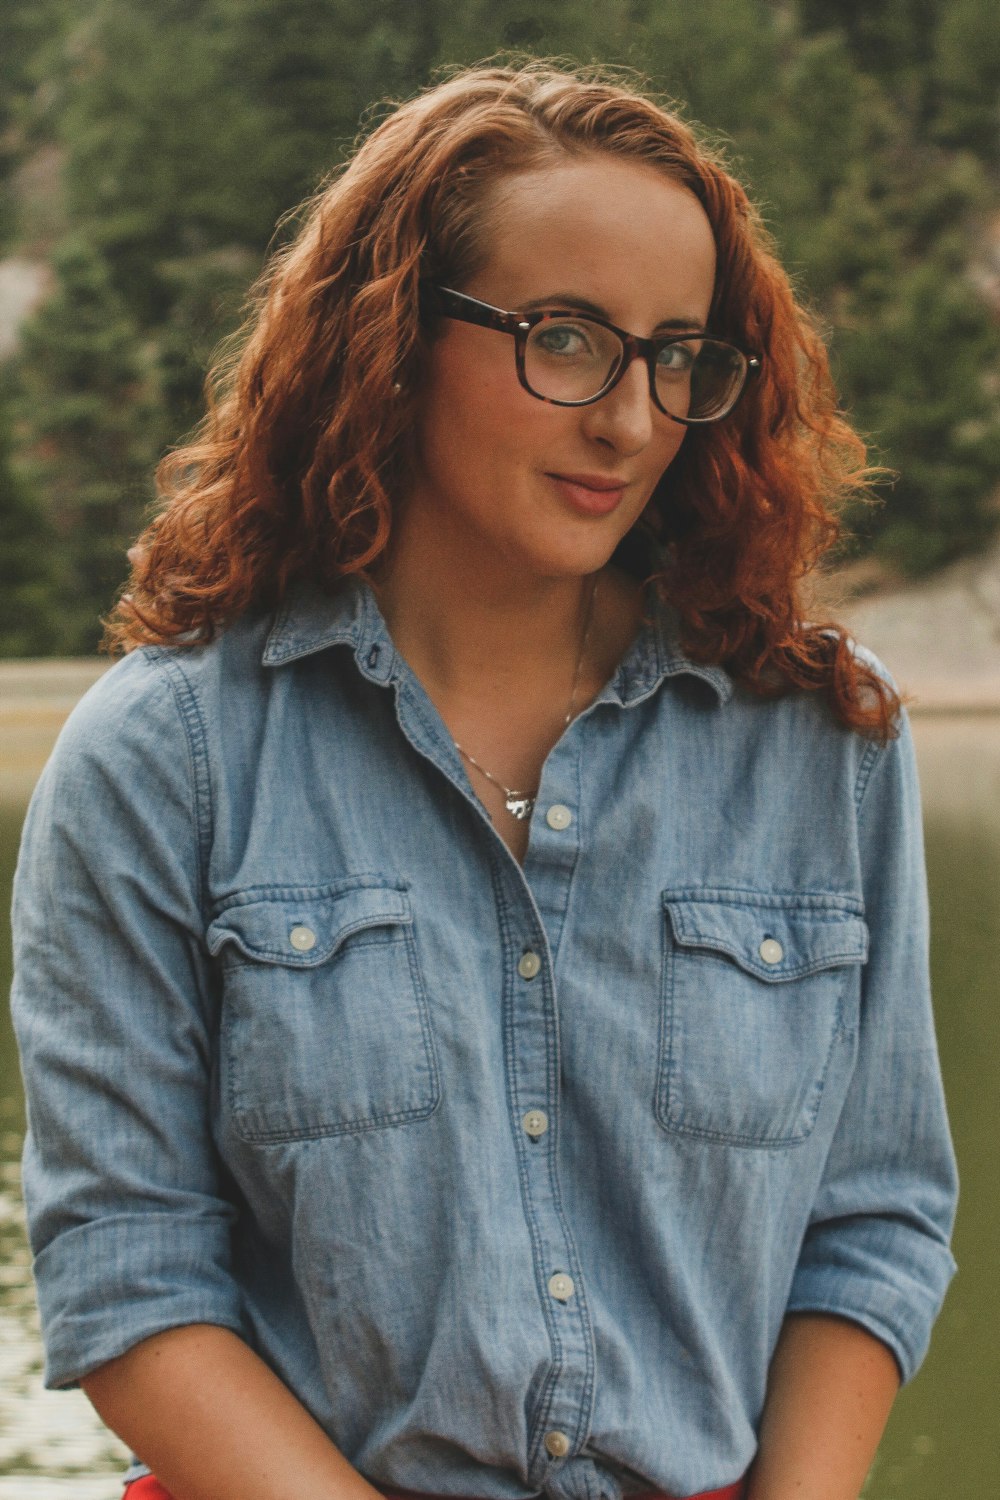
point(149, 1488)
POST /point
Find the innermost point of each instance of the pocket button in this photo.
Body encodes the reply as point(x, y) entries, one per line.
point(771, 951)
point(302, 939)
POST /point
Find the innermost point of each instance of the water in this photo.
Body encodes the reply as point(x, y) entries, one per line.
point(52, 1447)
point(943, 1437)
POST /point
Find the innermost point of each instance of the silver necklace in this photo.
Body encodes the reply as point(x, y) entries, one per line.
point(519, 804)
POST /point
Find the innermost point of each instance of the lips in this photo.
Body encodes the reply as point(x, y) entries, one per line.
point(591, 494)
point(600, 482)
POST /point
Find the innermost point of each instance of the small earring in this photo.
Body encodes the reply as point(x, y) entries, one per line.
point(397, 389)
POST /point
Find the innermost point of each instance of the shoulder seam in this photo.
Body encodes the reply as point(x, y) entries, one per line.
point(197, 742)
point(868, 761)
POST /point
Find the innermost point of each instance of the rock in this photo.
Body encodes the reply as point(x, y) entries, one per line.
point(940, 639)
point(23, 284)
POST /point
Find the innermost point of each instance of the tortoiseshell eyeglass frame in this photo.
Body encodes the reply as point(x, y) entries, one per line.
point(451, 304)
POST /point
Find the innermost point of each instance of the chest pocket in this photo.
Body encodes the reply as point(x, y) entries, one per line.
point(756, 989)
point(325, 1024)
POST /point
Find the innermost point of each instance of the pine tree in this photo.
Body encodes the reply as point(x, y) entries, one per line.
point(879, 221)
point(28, 26)
point(966, 79)
point(28, 605)
point(88, 430)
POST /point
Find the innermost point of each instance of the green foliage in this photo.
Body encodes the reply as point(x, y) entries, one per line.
point(159, 163)
point(28, 26)
point(87, 421)
point(877, 220)
point(870, 132)
point(966, 74)
point(27, 625)
point(914, 348)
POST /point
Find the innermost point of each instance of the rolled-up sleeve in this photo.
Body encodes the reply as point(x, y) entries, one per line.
point(877, 1247)
point(113, 1009)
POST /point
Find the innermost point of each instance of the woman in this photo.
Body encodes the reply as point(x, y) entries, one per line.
point(472, 979)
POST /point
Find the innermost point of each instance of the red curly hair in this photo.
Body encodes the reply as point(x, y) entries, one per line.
point(306, 446)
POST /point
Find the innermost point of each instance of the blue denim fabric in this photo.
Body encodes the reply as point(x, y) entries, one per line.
point(288, 1073)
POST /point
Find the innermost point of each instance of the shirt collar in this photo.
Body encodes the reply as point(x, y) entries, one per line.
point(657, 654)
point(311, 621)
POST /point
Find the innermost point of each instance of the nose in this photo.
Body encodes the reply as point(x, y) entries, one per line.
point(623, 419)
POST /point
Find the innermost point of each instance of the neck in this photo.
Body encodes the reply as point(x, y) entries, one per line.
point(464, 630)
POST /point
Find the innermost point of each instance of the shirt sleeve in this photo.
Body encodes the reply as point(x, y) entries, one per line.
point(876, 1250)
point(113, 1010)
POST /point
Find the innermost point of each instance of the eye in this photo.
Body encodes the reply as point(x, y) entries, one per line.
point(563, 340)
point(676, 359)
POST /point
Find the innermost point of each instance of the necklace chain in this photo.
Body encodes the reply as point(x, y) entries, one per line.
point(519, 804)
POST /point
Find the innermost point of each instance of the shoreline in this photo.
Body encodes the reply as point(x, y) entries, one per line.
point(37, 696)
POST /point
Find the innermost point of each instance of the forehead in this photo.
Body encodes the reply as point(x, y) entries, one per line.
point(596, 225)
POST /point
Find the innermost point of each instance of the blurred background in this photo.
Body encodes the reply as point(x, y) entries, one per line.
point(147, 153)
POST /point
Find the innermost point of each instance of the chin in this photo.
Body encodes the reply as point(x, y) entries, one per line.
point(579, 561)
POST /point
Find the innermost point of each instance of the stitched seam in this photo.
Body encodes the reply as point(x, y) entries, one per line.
point(777, 974)
point(281, 958)
point(334, 890)
point(197, 743)
point(871, 757)
point(815, 902)
point(321, 1132)
point(666, 1047)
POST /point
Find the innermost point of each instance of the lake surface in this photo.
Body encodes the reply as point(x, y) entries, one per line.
point(943, 1441)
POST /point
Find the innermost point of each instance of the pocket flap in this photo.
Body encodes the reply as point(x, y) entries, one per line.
point(302, 926)
point(773, 937)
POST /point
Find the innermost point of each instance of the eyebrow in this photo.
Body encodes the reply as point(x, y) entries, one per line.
point(556, 301)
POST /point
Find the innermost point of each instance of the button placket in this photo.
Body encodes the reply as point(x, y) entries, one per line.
point(565, 1400)
point(532, 919)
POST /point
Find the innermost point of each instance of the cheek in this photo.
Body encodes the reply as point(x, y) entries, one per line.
point(480, 409)
point(670, 445)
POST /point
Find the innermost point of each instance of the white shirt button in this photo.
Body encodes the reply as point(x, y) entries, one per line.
point(302, 939)
point(529, 965)
point(558, 816)
point(535, 1122)
point(556, 1444)
point(561, 1286)
point(771, 951)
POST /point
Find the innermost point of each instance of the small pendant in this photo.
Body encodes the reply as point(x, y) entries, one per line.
point(519, 807)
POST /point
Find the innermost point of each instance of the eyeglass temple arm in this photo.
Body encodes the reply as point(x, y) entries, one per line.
point(469, 309)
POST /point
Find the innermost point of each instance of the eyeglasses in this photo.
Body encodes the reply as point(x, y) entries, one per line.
point(570, 359)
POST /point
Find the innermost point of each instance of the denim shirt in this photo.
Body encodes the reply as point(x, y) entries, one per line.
point(510, 1173)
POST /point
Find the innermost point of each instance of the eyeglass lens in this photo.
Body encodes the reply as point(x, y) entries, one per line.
point(573, 359)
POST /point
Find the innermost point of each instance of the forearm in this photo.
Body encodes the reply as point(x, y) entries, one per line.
point(830, 1389)
point(213, 1422)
